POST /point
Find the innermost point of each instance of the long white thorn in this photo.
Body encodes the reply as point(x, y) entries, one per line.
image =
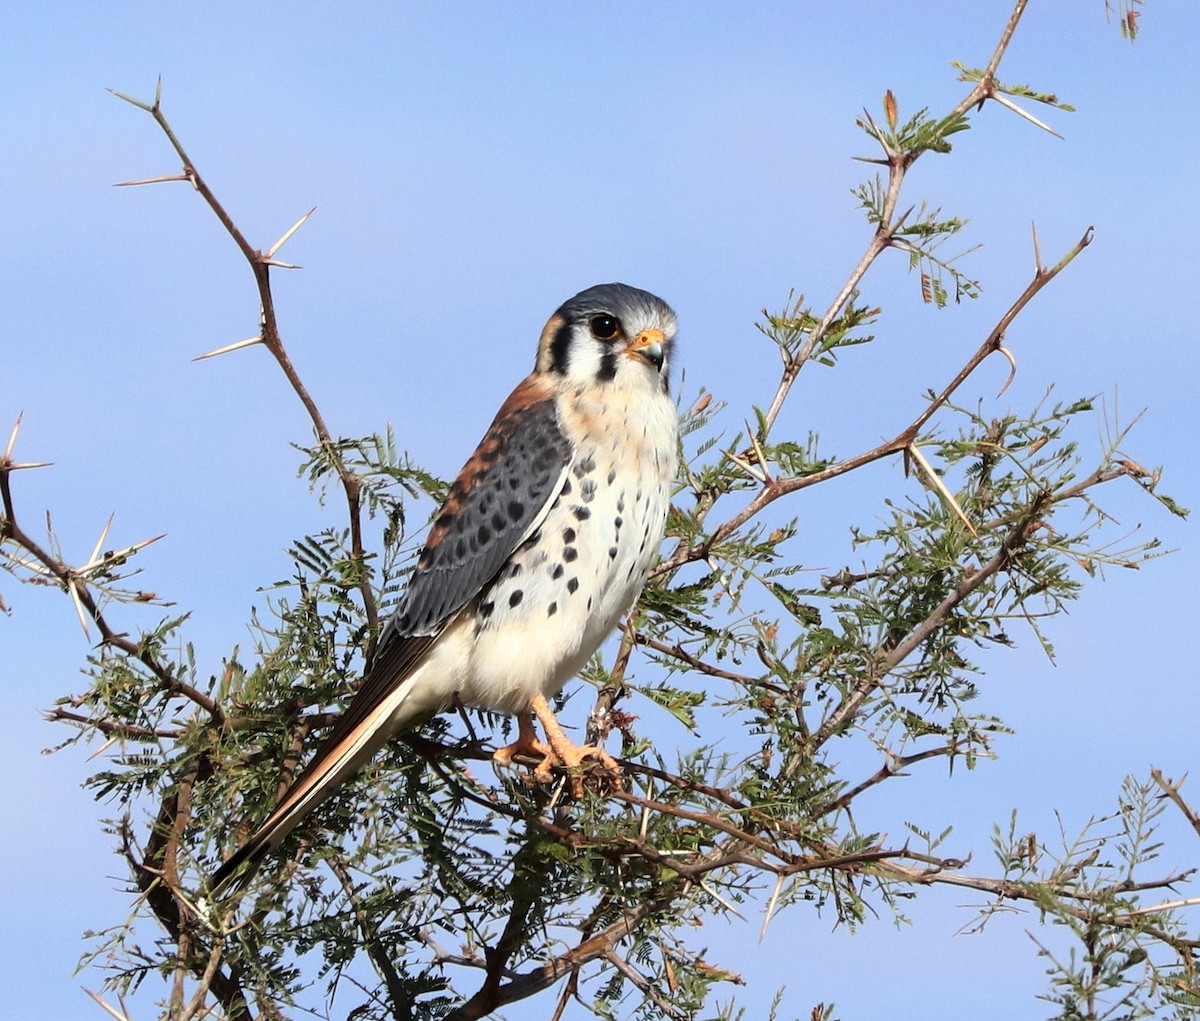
point(288, 233)
point(248, 342)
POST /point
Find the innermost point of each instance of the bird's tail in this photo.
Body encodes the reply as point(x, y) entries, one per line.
point(352, 742)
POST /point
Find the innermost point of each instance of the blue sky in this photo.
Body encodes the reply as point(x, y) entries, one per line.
point(474, 165)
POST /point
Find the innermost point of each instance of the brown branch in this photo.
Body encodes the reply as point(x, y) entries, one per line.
point(260, 264)
point(1005, 889)
point(898, 164)
point(892, 767)
point(704, 819)
point(524, 872)
point(108, 727)
point(677, 651)
point(69, 578)
point(780, 487)
point(1171, 789)
point(150, 874)
point(401, 1002)
point(643, 985)
point(889, 659)
point(531, 982)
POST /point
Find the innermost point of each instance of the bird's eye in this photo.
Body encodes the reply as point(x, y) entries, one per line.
point(604, 326)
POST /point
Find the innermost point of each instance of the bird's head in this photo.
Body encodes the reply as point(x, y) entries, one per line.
point(610, 334)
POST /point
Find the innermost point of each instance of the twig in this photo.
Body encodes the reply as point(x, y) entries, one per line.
point(260, 264)
point(1171, 789)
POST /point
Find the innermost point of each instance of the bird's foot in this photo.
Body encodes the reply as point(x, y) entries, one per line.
point(527, 744)
point(572, 758)
point(532, 747)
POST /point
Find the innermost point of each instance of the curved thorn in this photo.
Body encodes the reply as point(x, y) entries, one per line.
point(1012, 361)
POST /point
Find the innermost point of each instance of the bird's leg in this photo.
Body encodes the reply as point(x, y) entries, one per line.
point(526, 743)
point(566, 752)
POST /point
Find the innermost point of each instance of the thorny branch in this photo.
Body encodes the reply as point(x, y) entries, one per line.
point(269, 336)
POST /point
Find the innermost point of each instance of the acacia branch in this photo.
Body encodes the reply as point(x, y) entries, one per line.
point(1171, 790)
point(889, 658)
point(528, 983)
point(780, 487)
point(71, 579)
point(898, 164)
point(400, 1001)
point(1007, 889)
point(260, 264)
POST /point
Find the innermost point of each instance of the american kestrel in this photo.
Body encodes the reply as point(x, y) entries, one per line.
point(543, 544)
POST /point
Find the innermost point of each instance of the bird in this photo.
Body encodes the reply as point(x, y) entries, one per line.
point(543, 544)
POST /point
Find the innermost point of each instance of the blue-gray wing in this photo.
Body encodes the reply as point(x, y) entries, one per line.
point(498, 499)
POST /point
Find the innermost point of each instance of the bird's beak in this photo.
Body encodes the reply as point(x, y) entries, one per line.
point(649, 345)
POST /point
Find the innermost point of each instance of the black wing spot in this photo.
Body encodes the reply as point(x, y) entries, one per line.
point(552, 609)
point(515, 598)
point(584, 467)
point(557, 572)
point(572, 585)
point(568, 535)
point(612, 552)
point(587, 489)
point(612, 476)
point(581, 513)
point(570, 554)
point(514, 474)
